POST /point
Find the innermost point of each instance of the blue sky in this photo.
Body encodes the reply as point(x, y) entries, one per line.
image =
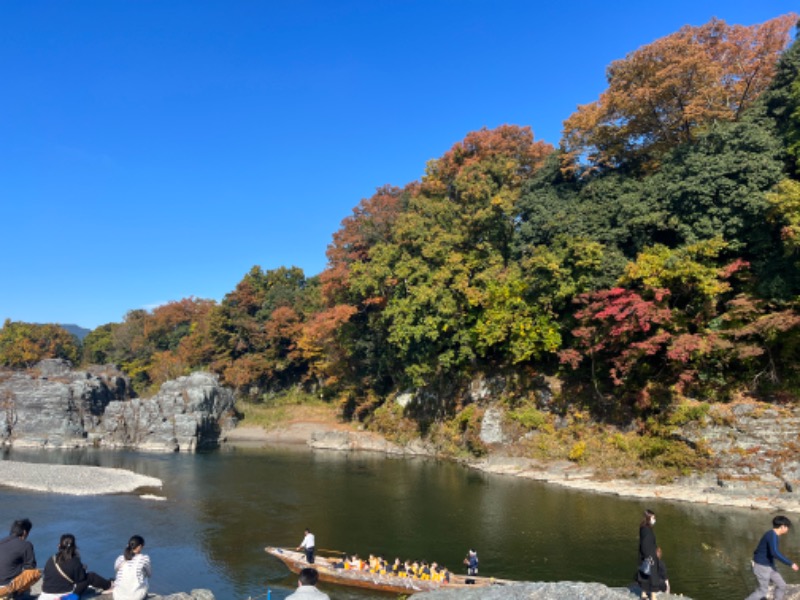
point(156, 150)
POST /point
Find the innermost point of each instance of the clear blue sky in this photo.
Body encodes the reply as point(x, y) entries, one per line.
point(156, 150)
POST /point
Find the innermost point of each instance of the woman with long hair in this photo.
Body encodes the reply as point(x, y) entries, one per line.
point(133, 571)
point(64, 573)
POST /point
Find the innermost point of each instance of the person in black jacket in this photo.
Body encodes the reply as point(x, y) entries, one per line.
point(648, 570)
point(18, 570)
point(64, 572)
point(657, 580)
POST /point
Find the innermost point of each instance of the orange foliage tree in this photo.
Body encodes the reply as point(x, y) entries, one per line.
point(662, 94)
point(24, 344)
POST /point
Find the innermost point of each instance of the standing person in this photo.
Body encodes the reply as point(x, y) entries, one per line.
point(658, 580)
point(308, 544)
point(306, 586)
point(64, 573)
point(18, 570)
point(472, 562)
point(764, 561)
point(133, 571)
point(648, 573)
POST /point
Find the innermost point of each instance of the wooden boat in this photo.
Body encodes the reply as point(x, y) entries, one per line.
point(375, 581)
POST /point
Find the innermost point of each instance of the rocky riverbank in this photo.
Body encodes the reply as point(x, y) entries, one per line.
point(55, 406)
point(199, 594)
point(565, 590)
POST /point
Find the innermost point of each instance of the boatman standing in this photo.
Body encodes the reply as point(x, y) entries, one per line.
point(308, 544)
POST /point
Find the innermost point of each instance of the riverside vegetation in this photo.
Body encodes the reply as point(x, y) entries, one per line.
point(640, 277)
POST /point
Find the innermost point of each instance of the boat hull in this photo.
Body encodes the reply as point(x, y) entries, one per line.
point(295, 561)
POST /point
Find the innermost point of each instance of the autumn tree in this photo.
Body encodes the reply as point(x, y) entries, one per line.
point(663, 94)
point(256, 329)
point(622, 335)
point(437, 278)
point(24, 344)
point(345, 343)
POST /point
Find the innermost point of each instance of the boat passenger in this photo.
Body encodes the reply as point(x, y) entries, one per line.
point(424, 571)
point(407, 571)
point(396, 567)
point(472, 562)
point(415, 569)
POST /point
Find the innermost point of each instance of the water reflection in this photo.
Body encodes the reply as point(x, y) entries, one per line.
point(222, 508)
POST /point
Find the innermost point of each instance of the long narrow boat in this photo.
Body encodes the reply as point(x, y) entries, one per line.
point(296, 561)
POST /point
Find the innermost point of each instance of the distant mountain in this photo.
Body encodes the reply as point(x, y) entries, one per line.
point(78, 332)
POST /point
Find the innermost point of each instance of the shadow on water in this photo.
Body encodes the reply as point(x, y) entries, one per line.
point(222, 508)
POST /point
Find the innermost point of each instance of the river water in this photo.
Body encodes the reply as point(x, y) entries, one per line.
point(221, 508)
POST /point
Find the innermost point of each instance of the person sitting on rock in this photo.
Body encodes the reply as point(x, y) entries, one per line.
point(64, 573)
point(133, 571)
point(18, 570)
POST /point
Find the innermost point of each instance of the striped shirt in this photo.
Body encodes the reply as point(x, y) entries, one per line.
point(132, 579)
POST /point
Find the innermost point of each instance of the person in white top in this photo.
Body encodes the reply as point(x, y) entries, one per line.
point(133, 572)
point(306, 586)
point(308, 544)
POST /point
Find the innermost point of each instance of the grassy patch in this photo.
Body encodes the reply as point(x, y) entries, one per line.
point(291, 405)
point(613, 453)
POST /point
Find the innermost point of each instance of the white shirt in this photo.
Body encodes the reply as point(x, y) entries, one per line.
point(308, 541)
point(132, 578)
point(308, 592)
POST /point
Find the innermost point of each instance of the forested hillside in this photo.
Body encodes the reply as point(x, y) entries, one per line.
point(651, 257)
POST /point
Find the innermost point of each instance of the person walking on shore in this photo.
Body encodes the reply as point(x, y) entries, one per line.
point(308, 545)
point(133, 571)
point(764, 561)
point(648, 549)
point(18, 570)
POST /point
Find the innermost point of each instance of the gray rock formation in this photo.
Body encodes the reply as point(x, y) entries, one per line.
point(54, 406)
point(193, 595)
point(365, 442)
point(751, 444)
point(492, 426)
point(186, 414)
point(566, 590)
point(199, 594)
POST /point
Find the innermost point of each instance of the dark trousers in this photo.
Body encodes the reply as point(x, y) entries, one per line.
point(94, 580)
point(310, 555)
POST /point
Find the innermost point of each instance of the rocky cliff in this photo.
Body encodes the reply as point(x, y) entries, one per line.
point(54, 406)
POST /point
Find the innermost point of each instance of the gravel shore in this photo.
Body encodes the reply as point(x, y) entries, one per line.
point(72, 479)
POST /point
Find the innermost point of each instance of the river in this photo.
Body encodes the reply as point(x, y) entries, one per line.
point(221, 508)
